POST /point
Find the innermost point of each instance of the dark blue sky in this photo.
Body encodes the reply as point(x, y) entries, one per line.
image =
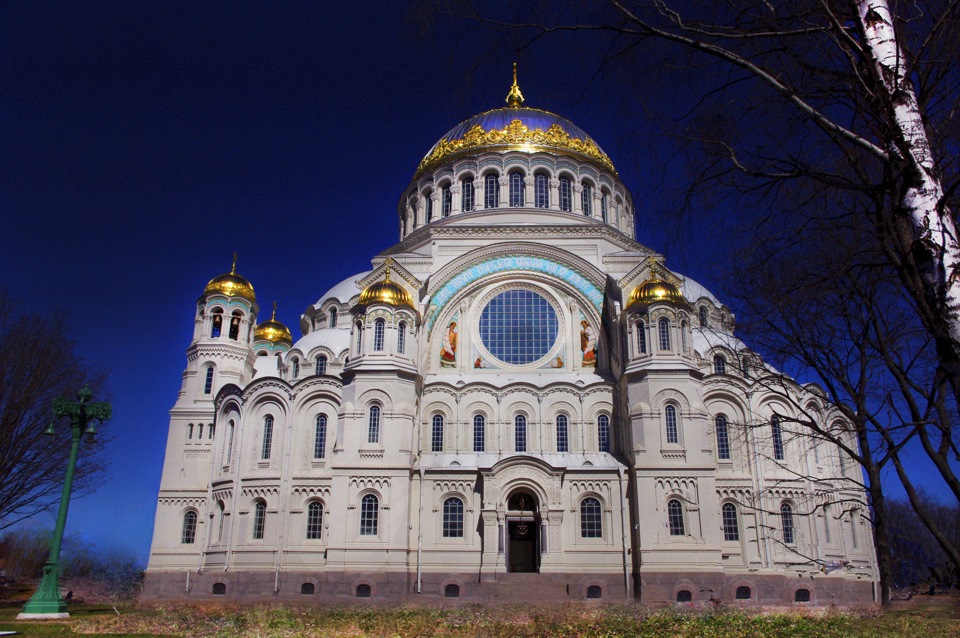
point(143, 143)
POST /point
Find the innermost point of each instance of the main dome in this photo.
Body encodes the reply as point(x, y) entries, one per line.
point(516, 128)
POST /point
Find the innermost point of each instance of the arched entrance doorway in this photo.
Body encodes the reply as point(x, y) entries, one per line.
point(523, 532)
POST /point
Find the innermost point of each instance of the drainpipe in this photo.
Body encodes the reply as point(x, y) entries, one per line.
point(420, 536)
point(623, 534)
point(186, 587)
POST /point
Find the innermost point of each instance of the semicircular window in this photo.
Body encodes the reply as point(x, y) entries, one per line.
point(518, 327)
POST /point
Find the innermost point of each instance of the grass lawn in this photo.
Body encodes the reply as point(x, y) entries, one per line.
point(572, 620)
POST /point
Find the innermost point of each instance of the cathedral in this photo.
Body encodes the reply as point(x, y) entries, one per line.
point(518, 402)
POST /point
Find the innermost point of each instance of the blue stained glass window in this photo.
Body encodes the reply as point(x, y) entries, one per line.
point(518, 327)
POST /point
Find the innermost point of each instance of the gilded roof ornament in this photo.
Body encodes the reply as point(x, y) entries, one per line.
point(656, 289)
point(231, 284)
point(386, 292)
point(514, 97)
point(272, 330)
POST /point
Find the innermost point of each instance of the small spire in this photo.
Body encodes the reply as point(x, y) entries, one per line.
point(514, 97)
point(386, 274)
point(274, 316)
point(233, 268)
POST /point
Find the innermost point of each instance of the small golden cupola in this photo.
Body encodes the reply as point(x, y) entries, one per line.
point(385, 292)
point(656, 290)
point(231, 284)
point(272, 330)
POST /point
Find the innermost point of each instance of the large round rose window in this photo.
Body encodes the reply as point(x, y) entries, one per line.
point(518, 327)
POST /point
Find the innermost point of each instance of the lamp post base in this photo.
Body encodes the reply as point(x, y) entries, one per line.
point(46, 603)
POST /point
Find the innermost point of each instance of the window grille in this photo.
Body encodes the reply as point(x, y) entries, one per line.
point(675, 517)
point(189, 533)
point(642, 337)
point(777, 435)
point(296, 368)
point(743, 593)
point(453, 518)
point(314, 520)
point(603, 432)
point(516, 188)
point(566, 195)
point(259, 520)
point(684, 596)
point(590, 518)
point(307, 589)
point(491, 190)
point(704, 322)
point(401, 337)
point(451, 591)
point(466, 194)
point(428, 206)
point(333, 318)
point(479, 433)
point(520, 433)
point(586, 199)
point(446, 200)
point(436, 437)
point(379, 326)
point(719, 365)
point(563, 444)
point(731, 526)
point(373, 426)
point(320, 437)
point(786, 522)
point(670, 415)
point(208, 382)
point(321, 365)
point(267, 438)
point(723, 438)
point(801, 596)
point(541, 190)
point(664, 329)
point(369, 515)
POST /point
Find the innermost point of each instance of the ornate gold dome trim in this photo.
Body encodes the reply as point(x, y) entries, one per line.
point(518, 134)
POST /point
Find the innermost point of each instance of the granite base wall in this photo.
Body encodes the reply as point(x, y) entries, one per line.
point(658, 588)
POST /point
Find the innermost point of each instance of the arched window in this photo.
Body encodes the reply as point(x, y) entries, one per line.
point(516, 188)
point(235, 326)
point(199, 431)
point(379, 326)
point(563, 445)
point(603, 432)
point(801, 596)
point(603, 207)
point(446, 200)
point(451, 591)
point(333, 318)
point(642, 337)
point(731, 526)
point(594, 591)
point(670, 416)
point(373, 425)
point(586, 199)
point(479, 433)
point(220, 508)
point(428, 206)
point(743, 592)
point(453, 518)
point(466, 194)
point(216, 324)
point(675, 517)
point(363, 590)
point(267, 445)
point(786, 523)
point(723, 437)
point(320, 437)
point(369, 515)
point(590, 518)
point(566, 194)
point(719, 364)
point(230, 432)
point(321, 365)
point(436, 434)
point(210, 430)
point(219, 589)
point(296, 369)
point(314, 520)
point(189, 532)
point(491, 190)
point(401, 337)
point(776, 434)
point(541, 190)
point(208, 381)
point(663, 327)
point(259, 520)
point(684, 596)
point(359, 337)
point(520, 433)
point(704, 322)
point(307, 589)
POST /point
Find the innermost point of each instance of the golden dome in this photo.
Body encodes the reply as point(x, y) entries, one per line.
point(656, 290)
point(385, 292)
point(231, 284)
point(272, 330)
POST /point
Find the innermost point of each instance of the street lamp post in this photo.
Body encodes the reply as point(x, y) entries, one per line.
point(47, 601)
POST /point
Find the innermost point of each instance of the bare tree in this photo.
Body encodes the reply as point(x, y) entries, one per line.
point(37, 365)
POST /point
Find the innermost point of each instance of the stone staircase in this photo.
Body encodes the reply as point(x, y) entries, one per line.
point(529, 588)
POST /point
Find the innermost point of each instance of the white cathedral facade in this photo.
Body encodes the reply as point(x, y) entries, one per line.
point(519, 402)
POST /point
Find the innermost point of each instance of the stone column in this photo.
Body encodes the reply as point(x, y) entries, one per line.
point(577, 199)
point(554, 194)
